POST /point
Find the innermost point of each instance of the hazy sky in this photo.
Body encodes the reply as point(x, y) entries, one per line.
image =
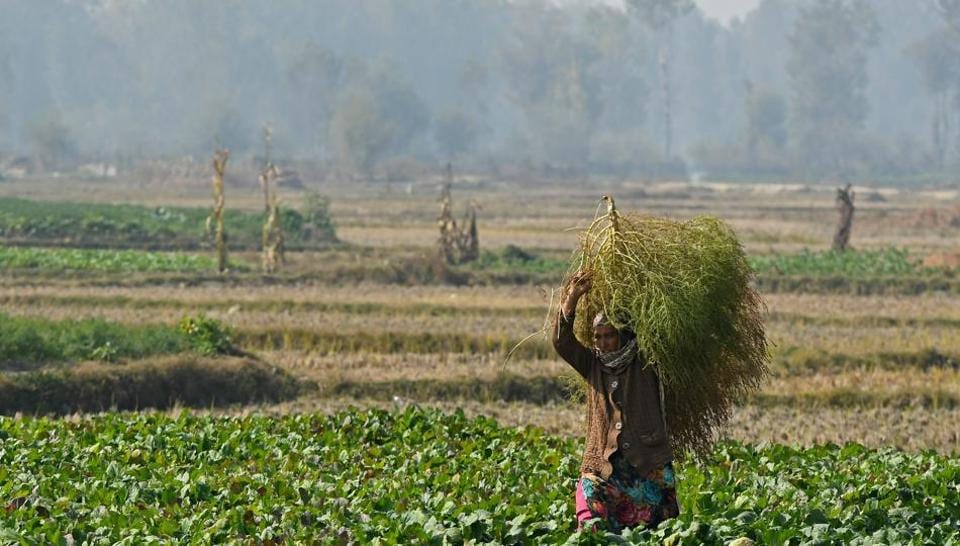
point(725, 9)
point(718, 9)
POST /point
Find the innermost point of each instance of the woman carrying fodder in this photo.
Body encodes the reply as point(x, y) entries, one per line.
point(678, 339)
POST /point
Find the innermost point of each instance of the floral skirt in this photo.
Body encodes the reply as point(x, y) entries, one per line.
point(628, 498)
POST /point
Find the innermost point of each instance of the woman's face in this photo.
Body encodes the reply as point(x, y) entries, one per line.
point(606, 338)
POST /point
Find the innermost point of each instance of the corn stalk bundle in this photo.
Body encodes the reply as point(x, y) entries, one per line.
point(457, 244)
point(272, 239)
point(684, 288)
point(215, 224)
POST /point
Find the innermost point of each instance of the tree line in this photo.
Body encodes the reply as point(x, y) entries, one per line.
point(814, 89)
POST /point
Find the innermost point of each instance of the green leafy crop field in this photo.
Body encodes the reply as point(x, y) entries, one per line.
point(884, 262)
point(423, 477)
point(114, 261)
point(135, 226)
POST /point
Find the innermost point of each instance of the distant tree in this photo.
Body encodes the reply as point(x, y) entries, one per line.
point(938, 58)
point(827, 67)
point(766, 123)
point(317, 76)
point(4, 123)
point(660, 15)
point(761, 150)
point(473, 87)
point(455, 133)
point(950, 10)
point(458, 129)
point(6, 89)
point(550, 78)
point(382, 118)
point(232, 128)
point(51, 142)
point(358, 137)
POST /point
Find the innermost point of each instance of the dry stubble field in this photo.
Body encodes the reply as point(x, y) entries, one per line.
point(881, 370)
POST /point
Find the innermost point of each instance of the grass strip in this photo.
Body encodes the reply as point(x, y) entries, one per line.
point(180, 380)
point(28, 343)
point(110, 261)
point(800, 360)
point(390, 274)
point(545, 390)
point(324, 342)
point(864, 321)
point(264, 305)
point(419, 309)
point(793, 360)
point(845, 398)
point(396, 275)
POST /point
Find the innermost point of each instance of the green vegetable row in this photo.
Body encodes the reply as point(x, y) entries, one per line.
point(421, 477)
point(885, 262)
point(116, 261)
point(509, 264)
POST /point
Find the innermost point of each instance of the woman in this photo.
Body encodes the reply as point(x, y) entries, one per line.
point(627, 475)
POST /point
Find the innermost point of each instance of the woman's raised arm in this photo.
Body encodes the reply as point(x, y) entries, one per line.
point(564, 340)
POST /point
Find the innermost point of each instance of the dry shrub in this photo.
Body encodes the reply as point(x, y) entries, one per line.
point(426, 269)
point(685, 289)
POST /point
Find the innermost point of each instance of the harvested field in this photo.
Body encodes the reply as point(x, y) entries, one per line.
point(873, 365)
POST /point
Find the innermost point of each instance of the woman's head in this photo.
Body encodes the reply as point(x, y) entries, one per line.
point(607, 338)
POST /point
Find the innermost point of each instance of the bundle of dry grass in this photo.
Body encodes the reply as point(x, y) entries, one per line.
point(684, 288)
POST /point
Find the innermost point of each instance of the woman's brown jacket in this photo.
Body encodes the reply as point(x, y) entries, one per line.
point(623, 410)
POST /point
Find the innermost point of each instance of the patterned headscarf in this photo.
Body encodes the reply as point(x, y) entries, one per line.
point(616, 361)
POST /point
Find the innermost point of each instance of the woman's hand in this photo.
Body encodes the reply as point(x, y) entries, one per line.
point(578, 285)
